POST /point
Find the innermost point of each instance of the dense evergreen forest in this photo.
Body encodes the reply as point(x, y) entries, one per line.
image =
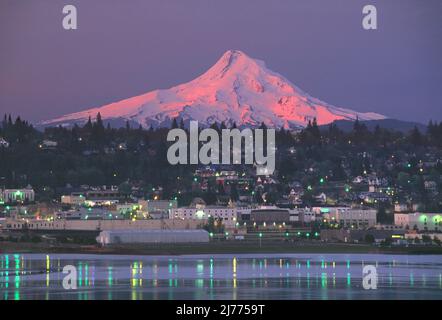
point(96, 154)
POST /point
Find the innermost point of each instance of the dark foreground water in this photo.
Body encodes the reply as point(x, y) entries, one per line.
point(243, 276)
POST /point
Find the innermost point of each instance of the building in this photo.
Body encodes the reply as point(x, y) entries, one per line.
point(99, 225)
point(335, 235)
point(82, 213)
point(126, 208)
point(243, 213)
point(405, 207)
point(25, 195)
point(299, 214)
point(326, 212)
point(419, 221)
point(158, 209)
point(377, 235)
point(73, 200)
point(346, 216)
point(357, 218)
point(270, 215)
point(103, 196)
point(152, 236)
point(419, 236)
point(374, 197)
point(306, 215)
point(227, 215)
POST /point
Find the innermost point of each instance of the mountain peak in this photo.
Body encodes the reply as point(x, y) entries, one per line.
point(235, 53)
point(233, 61)
point(237, 88)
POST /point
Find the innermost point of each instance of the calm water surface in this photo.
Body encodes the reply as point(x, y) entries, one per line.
point(243, 276)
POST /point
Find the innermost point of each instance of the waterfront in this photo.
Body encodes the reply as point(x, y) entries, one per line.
point(242, 276)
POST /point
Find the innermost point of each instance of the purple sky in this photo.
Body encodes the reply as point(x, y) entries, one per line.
point(125, 48)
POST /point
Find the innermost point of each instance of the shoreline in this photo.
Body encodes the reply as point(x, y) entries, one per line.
point(214, 248)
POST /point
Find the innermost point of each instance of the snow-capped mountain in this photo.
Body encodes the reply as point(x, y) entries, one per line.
point(236, 89)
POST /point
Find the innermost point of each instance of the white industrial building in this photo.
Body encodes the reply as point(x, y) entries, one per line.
point(226, 214)
point(357, 218)
point(419, 221)
point(99, 225)
point(17, 195)
point(346, 216)
point(152, 236)
point(304, 215)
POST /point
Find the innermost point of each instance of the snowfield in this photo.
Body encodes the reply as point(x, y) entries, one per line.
point(236, 89)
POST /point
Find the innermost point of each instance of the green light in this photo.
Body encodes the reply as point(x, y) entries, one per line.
point(316, 234)
point(211, 234)
point(409, 165)
point(309, 188)
point(307, 234)
point(260, 234)
point(286, 234)
point(321, 180)
point(227, 234)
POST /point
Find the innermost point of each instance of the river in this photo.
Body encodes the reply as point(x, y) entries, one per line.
point(220, 276)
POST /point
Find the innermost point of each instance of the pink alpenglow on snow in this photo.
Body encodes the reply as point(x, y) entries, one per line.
point(237, 89)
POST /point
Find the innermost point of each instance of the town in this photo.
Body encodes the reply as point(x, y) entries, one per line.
point(97, 185)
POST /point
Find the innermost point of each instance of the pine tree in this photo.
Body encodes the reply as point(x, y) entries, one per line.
point(174, 123)
point(99, 121)
point(5, 122)
point(88, 124)
point(416, 137)
point(315, 129)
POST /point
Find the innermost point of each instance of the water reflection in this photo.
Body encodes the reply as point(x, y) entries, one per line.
point(300, 276)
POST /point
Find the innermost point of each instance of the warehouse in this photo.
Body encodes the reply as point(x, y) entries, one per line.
point(268, 215)
point(152, 236)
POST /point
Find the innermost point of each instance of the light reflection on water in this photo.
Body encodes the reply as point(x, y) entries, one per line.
point(285, 276)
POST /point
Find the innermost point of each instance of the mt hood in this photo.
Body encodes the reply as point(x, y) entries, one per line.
point(237, 89)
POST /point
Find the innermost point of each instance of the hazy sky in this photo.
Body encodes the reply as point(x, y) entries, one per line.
point(125, 48)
